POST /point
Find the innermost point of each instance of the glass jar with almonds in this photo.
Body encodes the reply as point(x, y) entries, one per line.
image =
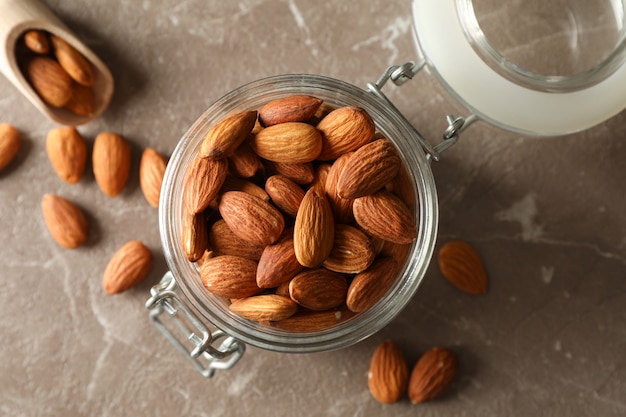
point(297, 215)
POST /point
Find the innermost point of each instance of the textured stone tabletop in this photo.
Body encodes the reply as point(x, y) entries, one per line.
point(546, 214)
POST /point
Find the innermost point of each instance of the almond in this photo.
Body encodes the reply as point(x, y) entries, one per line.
point(65, 221)
point(10, 141)
point(384, 215)
point(460, 263)
point(368, 170)
point(226, 135)
point(50, 81)
point(243, 162)
point(289, 109)
point(278, 263)
point(128, 266)
point(388, 375)
point(398, 251)
point(195, 236)
point(312, 321)
point(291, 143)
point(251, 218)
point(342, 207)
point(37, 41)
point(203, 182)
point(371, 285)
point(432, 375)
point(67, 151)
point(239, 184)
point(73, 62)
point(286, 194)
point(343, 130)
point(321, 175)
point(111, 162)
point(314, 229)
point(230, 276)
point(82, 101)
point(318, 289)
point(352, 251)
point(263, 308)
point(302, 174)
point(151, 172)
point(223, 241)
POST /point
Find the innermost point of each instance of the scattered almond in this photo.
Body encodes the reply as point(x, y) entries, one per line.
point(151, 173)
point(67, 152)
point(432, 375)
point(460, 263)
point(65, 221)
point(388, 375)
point(10, 141)
point(111, 162)
point(128, 266)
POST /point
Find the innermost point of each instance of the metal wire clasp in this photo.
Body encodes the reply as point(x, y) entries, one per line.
point(399, 74)
point(188, 334)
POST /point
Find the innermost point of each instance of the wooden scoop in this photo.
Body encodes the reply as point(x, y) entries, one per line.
point(19, 16)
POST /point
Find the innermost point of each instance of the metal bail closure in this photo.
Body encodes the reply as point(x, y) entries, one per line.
point(206, 350)
point(403, 73)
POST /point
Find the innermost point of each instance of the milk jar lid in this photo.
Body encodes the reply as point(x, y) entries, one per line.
point(534, 66)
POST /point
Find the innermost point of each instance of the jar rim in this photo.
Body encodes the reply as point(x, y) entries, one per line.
point(356, 328)
point(506, 101)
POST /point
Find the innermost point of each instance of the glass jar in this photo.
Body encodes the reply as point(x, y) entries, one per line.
point(469, 55)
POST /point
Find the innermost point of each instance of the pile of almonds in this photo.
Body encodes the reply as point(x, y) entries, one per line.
point(59, 74)
point(298, 213)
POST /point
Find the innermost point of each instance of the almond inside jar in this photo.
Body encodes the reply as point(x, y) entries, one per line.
point(310, 222)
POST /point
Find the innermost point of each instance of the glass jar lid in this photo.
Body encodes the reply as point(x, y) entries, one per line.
point(531, 66)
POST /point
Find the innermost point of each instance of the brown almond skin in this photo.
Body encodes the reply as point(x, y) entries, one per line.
point(251, 218)
point(65, 221)
point(49, 80)
point(10, 141)
point(286, 194)
point(432, 375)
point(318, 289)
point(314, 229)
point(371, 285)
point(37, 41)
point(343, 130)
point(461, 265)
point(342, 207)
point(278, 263)
point(203, 182)
point(67, 152)
point(73, 62)
point(352, 251)
point(290, 143)
point(311, 321)
point(264, 308)
point(368, 170)
point(301, 174)
point(195, 235)
point(111, 162)
point(384, 215)
point(223, 241)
point(239, 184)
point(289, 109)
point(81, 102)
point(388, 376)
point(226, 135)
point(151, 172)
point(244, 163)
point(230, 276)
point(128, 267)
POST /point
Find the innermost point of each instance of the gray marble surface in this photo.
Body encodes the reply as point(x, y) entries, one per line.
point(547, 215)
